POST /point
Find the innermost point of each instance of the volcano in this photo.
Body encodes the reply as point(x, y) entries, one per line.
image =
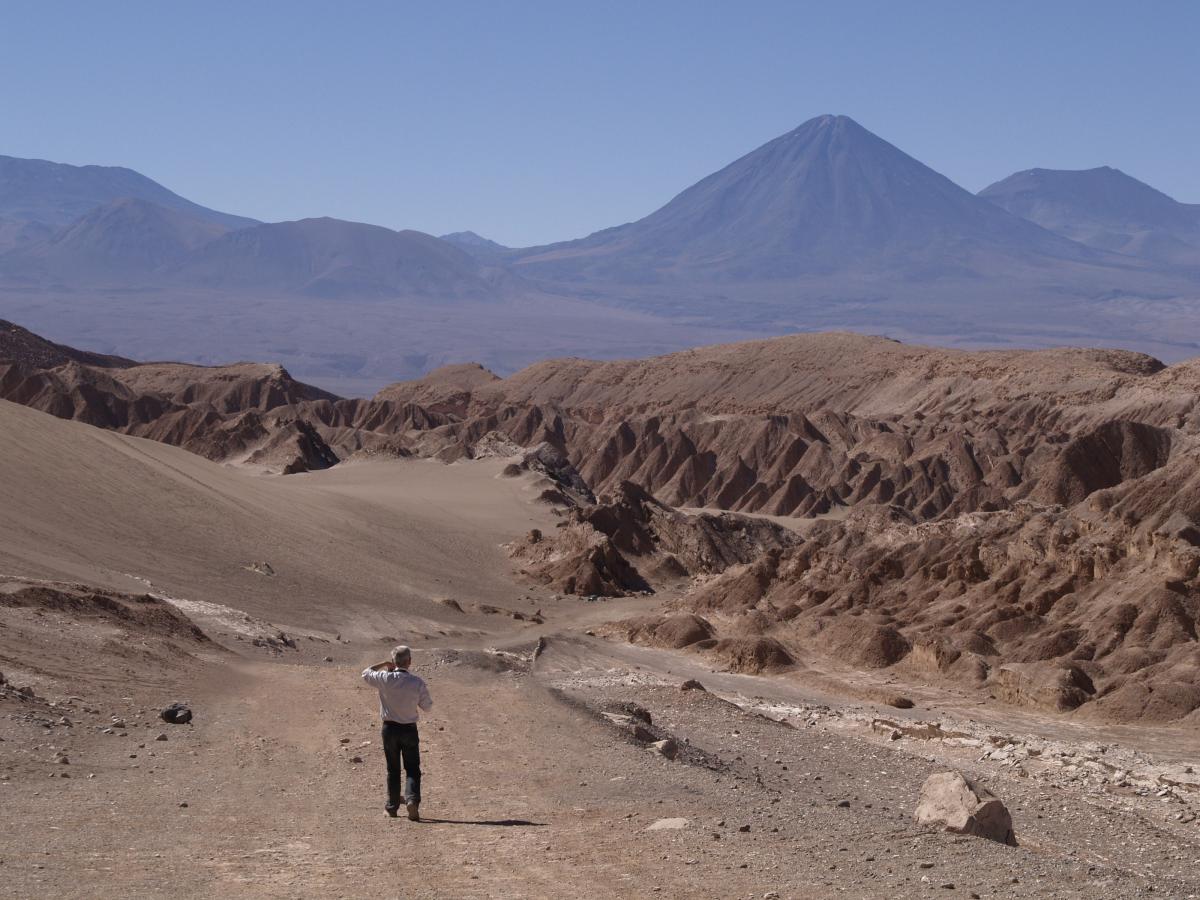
point(827, 197)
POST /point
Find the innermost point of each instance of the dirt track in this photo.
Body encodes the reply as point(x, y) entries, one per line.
point(529, 794)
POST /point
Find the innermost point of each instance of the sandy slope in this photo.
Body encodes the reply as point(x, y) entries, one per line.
point(355, 547)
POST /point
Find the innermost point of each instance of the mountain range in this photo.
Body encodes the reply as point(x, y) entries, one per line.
point(1106, 209)
point(827, 197)
point(827, 226)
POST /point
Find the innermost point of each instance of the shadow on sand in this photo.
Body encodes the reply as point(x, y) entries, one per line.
point(502, 823)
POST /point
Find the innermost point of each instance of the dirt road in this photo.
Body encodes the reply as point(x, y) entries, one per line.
point(530, 792)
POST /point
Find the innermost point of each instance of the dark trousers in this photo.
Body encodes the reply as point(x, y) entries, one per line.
point(402, 746)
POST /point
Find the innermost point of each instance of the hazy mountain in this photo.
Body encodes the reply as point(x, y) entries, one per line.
point(484, 250)
point(56, 194)
point(1103, 208)
point(332, 258)
point(827, 227)
point(123, 240)
point(469, 239)
point(826, 197)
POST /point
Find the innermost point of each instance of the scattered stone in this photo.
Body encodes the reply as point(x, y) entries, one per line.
point(950, 801)
point(176, 714)
point(743, 828)
point(329, 659)
point(161, 737)
point(667, 748)
point(639, 712)
point(356, 759)
point(183, 805)
point(692, 685)
point(668, 824)
point(843, 804)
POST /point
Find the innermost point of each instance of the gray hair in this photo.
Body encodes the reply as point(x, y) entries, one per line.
point(401, 656)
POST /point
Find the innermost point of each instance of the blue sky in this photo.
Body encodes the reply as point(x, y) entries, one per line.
point(537, 121)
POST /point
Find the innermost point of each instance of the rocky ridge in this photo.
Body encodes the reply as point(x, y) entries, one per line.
point(219, 412)
point(1022, 521)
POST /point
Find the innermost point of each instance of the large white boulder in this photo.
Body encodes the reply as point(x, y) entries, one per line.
point(951, 802)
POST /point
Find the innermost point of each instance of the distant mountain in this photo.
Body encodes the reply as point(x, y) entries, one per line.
point(827, 227)
point(471, 239)
point(827, 197)
point(478, 246)
point(1103, 208)
point(332, 258)
point(56, 194)
point(121, 240)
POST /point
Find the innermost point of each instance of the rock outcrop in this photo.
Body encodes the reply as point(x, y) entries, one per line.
point(220, 412)
point(626, 540)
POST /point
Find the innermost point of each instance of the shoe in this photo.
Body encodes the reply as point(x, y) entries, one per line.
point(414, 812)
point(391, 811)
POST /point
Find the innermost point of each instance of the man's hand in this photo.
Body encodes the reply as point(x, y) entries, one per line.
point(383, 667)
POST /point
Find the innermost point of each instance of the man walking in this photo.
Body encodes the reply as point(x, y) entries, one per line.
point(401, 696)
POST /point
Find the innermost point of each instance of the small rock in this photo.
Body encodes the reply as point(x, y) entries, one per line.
point(161, 737)
point(640, 713)
point(743, 828)
point(183, 805)
point(176, 714)
point(692, 685)
point(667, 748)
point(356, 759)
point(843, 804)
point(668, 824)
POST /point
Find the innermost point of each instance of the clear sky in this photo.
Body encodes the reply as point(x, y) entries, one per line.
point(534, 121)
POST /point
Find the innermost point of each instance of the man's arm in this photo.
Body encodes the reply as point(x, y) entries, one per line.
point(371, 674)
point(424, 700)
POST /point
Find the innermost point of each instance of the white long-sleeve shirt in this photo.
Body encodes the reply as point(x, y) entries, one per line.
point(401, 695)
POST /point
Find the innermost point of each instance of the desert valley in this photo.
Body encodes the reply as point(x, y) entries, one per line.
point(537, 451)
point(697, 625)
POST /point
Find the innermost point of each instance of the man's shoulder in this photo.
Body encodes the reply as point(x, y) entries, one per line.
point(402, 676)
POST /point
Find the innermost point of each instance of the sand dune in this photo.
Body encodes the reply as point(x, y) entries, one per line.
point(372, 542)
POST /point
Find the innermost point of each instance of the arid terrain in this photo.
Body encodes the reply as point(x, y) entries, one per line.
point(819, 568)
